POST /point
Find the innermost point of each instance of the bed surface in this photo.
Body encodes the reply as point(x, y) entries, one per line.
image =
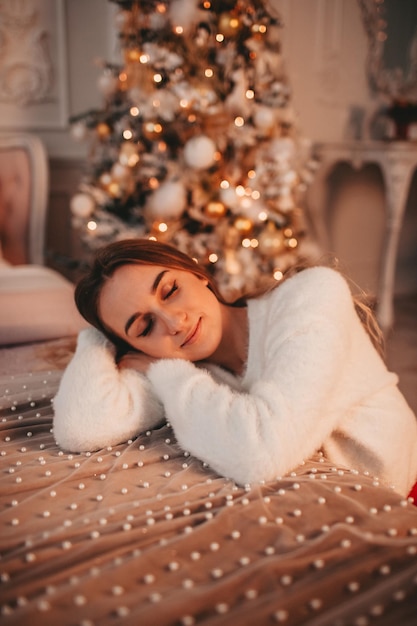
point(144, 534)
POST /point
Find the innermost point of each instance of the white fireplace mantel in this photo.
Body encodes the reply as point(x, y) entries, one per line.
point(397, 161)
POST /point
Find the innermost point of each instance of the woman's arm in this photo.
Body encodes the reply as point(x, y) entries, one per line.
point(99, 405)
point(286, 414)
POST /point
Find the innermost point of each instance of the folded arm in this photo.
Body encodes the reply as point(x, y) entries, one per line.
point(97, 403)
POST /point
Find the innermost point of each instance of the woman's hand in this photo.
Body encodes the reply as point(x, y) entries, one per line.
point(136, 361)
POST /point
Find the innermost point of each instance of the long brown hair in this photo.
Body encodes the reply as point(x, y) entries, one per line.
point(131, 252)
point(150, 252)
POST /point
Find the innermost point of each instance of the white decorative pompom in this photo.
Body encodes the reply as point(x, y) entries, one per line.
point(168, 201)
point(199, 152)
point(82, 205)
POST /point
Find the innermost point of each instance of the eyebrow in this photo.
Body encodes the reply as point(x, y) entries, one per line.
point(154, 287)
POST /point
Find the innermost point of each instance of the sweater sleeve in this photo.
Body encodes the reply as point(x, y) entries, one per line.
point(99, 405)
point(287, 411)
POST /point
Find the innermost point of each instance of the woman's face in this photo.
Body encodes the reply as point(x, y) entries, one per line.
point(165, 313)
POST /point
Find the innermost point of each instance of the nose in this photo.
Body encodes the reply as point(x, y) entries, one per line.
point(174, 321)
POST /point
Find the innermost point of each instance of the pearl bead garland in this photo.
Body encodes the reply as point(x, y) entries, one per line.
point(135, 527)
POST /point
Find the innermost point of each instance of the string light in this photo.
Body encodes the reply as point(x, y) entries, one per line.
point(278, 275)
point(212, 92)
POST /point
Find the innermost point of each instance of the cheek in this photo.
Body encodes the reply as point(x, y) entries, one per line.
point(156, 346)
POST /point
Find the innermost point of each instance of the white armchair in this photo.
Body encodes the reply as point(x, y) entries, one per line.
point(36, 302)
point(24, 184)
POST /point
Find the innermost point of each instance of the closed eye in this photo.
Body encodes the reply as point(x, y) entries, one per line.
point(171, 291)
point(149, 320)
point(148, 328)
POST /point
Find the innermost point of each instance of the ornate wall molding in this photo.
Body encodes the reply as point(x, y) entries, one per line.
point(33, 89)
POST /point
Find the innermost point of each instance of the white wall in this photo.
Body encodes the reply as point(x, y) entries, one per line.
point(325, 48)
point(64, 40)
point(88, 39)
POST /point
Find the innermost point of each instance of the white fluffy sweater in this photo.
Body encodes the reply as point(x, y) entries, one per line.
point(313, 381)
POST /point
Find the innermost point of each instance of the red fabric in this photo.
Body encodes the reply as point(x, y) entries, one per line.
point(413, 494)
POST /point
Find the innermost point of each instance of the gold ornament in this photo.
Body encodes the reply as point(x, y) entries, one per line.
point(270, 240)
point(231, 238)
point(215, 209)
point(232, 265)
point(114, 189)
point(228, 24)
point(244, 225)
point(128, 154)
point(132, 55)
point(152, 130)
point(103, 130)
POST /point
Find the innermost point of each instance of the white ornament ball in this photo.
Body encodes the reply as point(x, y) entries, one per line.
point(199, 152)
point(229, 197)
point(264, 118)
point(282, 148)
point(82, 205)
point(168, 201)
point(107, 83)
point(121, 172)
point(122, 19)
point(79, 131)
point(181, 13)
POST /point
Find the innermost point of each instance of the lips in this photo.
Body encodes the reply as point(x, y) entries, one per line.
point(192, 336)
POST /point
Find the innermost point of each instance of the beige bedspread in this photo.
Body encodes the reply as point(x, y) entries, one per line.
point(143, 534)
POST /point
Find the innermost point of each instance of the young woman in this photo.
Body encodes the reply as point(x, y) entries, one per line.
point(252, 388)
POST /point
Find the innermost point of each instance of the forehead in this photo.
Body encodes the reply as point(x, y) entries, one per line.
point(132, 275)
point(127, 282)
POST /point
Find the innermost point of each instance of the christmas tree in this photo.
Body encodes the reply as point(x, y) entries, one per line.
point(196, 142)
